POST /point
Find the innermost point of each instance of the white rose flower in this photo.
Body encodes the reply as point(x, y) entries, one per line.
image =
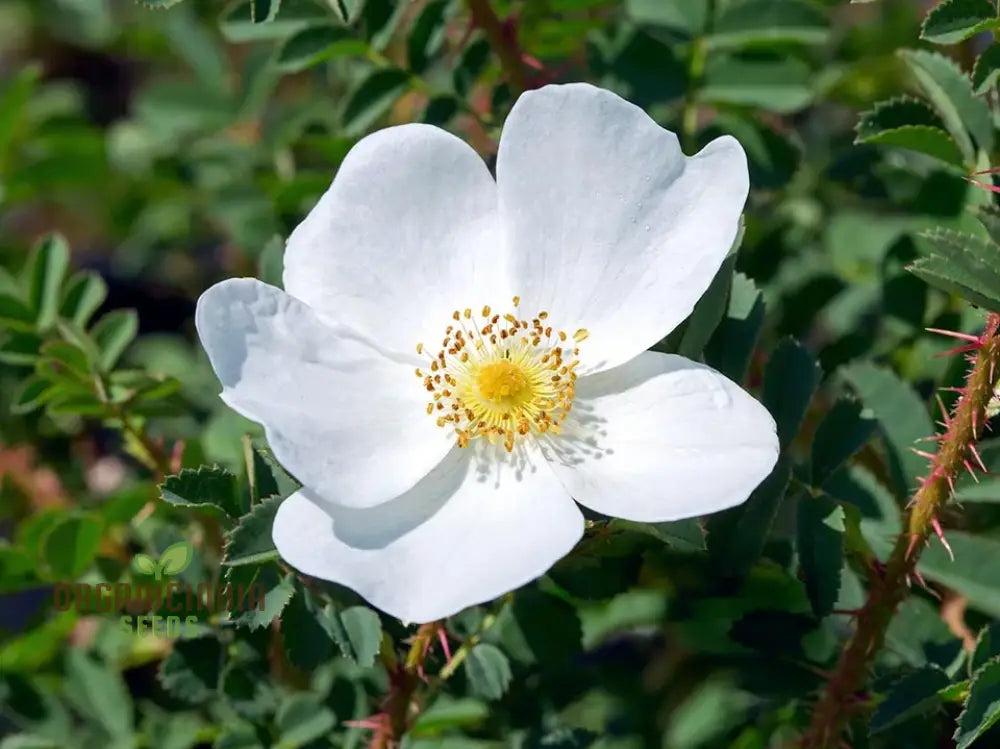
point(456, 359)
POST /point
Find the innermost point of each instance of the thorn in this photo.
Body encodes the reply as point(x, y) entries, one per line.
point(847, 612)
point(944, 411)
point(923, 453)
point(375, 722)
point(978, 457)
point(951, 482)
point(975, 425)
point(982, 185)
point(955, 334)
point(991, 170)
point(445, 648)
point(936, 525)
point(971, 471)
point(932, 438)
point(959, 350)
point(924, 585)
point(914, 539)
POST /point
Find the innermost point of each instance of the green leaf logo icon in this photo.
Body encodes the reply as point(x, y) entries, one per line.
point(174, 560)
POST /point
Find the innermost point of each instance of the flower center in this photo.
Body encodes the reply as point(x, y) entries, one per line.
point(498, 376)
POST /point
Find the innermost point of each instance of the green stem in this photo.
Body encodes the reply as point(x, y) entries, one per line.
point(888, 589)
point(504, 46)
point(689, 113)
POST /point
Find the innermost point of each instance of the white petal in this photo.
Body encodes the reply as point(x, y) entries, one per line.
point(406, 233)
point(464, 535)
point(611, 227)
point(663, 438)
point(348, 421)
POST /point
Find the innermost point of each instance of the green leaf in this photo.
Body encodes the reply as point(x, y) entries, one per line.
point(488, 671)
point(768, 22)
point(681, 535)
point(31, 394)
point(427, 35)
point(262, 581)
point(736, 537)
point(85, 292)
point(206, 486)
point(69, 546)
point(176, 558)
point(845, 429)
point(973, 573)
point(781, 86)
point(791, 378)
point(46, 270)
point(708, 312)
point(264, 11)
point(15, 314)
point(539, 629)
point(238, 23)
point(315, 44)
point(250, 541)
point(192, 669)
point(377, 93)
point(905, 122)
point(302, 718)
point(99, 693)
point(954, 21)
point(915, 693)
point(14, 106)
point(688, 16)
point(364, 633)
point(112, 334)
point(472, 63)
point(986, 71)
point(63, 361)
point(450, 712)
point(987, 646)
point(982, 710)
point(950, 91)
point(820, 546)
point(901, 414)
point(962, 264)
point(308, 632)
point(734, 340)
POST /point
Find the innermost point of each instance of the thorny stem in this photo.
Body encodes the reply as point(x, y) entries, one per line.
point(504, 43)
point(888, 589)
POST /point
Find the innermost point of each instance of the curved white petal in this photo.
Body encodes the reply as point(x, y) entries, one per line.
point(663, 438)
point(406, 233)
point(341, 415)
point(473, 529)
point(611, 227)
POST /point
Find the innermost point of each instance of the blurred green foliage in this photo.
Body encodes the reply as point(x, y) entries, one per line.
point(146, 152)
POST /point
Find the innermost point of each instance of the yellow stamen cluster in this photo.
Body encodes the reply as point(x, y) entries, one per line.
point(498, 376)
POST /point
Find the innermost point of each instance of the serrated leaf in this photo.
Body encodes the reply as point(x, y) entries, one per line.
point(790, 379)
point(191, 670)
point(754, 22)
point(843, 431)
point(954, 21)
point(915, 693)
point(539, 629)
point(905, 122)
point(176, 558)
point(962, 264)
point(734, 340)
point(46, 270)
point(820, 544)
point(982, 709)
point(901, 414)
point(206, 486)
point(247, 690)
point(708, 312)
point(950, 91)
point(306, 632)
point(250, 541)
point(238, 25)
point(783, 86)
point(364, 633)
point(315, 44)
point(266, 594)
point(373, 98)
point(112, 334)
point(986, 70)
point(987, 646)
point(488, 671)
